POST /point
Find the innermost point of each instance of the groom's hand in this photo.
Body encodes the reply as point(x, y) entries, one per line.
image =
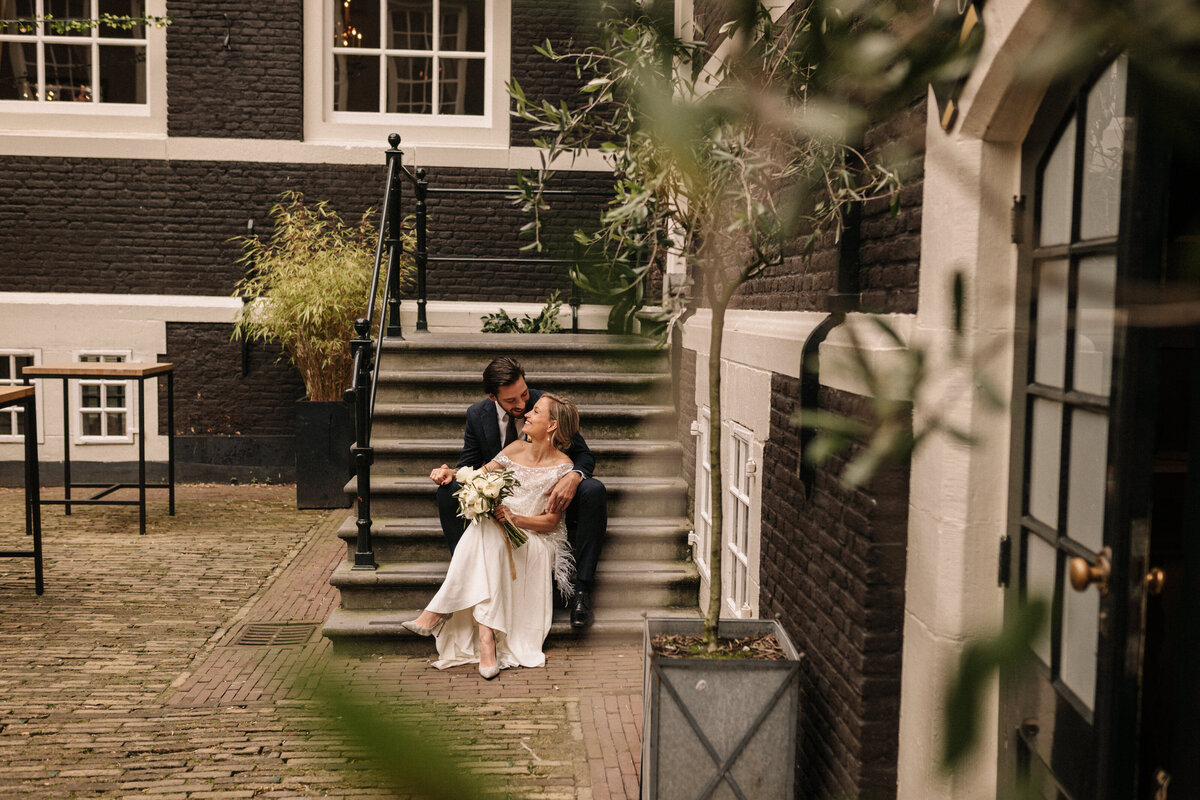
point(562, 493)
point(441, 475)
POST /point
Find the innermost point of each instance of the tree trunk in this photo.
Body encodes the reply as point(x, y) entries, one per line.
point(715, 483)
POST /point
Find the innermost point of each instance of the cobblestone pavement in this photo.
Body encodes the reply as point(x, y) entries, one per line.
point(184, 664)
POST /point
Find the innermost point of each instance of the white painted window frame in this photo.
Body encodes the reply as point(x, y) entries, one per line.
point(37, 116)
point(323, 124)
point(702, 523)
point(36, 354)
point(738, 448)
point(130, 409)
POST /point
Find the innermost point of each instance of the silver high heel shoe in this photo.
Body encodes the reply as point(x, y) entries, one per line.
point(489, 672)
point(411, 625)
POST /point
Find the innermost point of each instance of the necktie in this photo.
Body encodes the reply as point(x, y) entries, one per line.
point(510, 433)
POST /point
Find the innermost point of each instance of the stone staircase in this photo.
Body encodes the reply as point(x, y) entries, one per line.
point(622, 386)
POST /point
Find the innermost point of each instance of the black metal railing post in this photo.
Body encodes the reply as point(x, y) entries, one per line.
point(574, 300)
point(362, 452)
point(393, 222)
point(421, 255)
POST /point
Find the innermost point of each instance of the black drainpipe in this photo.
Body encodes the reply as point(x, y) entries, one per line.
point(842, 300)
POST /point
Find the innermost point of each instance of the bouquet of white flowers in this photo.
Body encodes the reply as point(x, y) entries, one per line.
point(480, 492)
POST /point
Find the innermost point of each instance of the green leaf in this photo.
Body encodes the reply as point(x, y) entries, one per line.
point(1009, 649)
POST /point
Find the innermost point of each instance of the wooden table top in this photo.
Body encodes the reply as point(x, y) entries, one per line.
point(77, 369)
point(14, 394)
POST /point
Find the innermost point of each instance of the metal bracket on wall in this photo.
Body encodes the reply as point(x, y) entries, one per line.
point(1018, 219)
point(225, 45)
point(1004, 571)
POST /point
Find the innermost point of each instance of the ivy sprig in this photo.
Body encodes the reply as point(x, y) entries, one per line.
point(73, 25)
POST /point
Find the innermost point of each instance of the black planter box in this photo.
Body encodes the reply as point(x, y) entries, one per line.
point(324, 435)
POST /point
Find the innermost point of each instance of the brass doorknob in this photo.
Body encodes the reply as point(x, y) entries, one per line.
point(1083, 574)
point(1155, 580)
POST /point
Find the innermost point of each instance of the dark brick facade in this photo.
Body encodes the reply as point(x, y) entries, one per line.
point(164, 227)
point(890, 249)
point(832, 569)
point(570, 26)
point(253, 89)
point(212, 395)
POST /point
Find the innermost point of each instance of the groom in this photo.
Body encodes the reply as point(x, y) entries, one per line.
point(493, 423)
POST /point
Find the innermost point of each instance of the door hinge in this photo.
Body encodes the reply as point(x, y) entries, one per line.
point(1017, 218)
point(1005, 559)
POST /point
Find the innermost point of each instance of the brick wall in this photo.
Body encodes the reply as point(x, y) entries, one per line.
point(570, 26)
point(164, 227)
point(889, 254)
point(832, 568)
point(464, 225)
point(253, 89)
point(213, 397)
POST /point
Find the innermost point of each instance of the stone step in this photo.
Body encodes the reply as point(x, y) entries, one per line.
point(415, 496)
point(420, 539)
point(416, 457)
point(628, 585)
point(408, 421)
point(463, 388)
point(360, 632)
point(561, 352)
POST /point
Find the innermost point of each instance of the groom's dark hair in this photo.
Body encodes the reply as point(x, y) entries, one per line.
point(501, 372)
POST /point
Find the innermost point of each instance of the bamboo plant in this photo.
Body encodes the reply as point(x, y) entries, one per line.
point(305, 285)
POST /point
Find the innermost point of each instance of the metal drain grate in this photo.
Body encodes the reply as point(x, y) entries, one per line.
point(276, 634)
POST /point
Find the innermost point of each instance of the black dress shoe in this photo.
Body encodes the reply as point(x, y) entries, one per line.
point(581, 610)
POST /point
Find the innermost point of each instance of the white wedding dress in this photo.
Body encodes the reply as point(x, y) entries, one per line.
point(479, 587)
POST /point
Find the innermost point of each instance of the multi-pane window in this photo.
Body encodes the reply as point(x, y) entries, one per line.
point(12, 420)
point(84, 64)
point(741, 469)
point(1068, 387)
point(425, 57)
point(703, 522)
point(103, 404)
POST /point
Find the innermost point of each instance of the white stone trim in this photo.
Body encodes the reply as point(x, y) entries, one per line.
point(98, 144)
point(958, 497)
point(765, 340)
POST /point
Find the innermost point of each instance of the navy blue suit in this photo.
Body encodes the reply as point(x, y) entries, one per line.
point(586, 516)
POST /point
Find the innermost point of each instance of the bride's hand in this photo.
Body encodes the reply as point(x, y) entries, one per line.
point(441, 475)
point(500, 513)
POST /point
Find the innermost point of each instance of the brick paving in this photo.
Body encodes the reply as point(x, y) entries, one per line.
point(127, 678)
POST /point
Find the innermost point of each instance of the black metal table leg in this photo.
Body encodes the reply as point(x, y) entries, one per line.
point(141, 456)
point(171, 442)
point(33, 491)
point(66, 447)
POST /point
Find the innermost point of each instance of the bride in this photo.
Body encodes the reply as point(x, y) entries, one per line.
point(482, 614)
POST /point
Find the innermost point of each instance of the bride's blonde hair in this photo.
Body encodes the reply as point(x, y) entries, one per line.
point(564, 412)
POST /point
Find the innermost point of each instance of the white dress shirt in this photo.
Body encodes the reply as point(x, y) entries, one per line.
point(502, 420)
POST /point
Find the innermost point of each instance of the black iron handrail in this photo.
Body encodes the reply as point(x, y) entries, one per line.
point(364, 380)
point(574, 301)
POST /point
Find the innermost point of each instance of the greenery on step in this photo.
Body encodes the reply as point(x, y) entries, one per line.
point(545, 321)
